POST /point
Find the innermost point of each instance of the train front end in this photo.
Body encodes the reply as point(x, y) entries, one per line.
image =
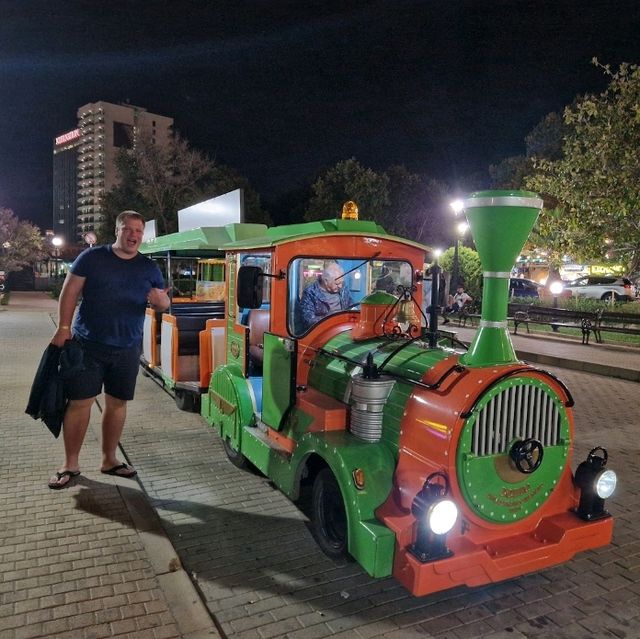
point(483, 489)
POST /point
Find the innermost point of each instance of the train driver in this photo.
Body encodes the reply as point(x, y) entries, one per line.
point(326, 295)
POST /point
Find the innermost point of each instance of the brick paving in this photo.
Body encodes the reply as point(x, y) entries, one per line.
point(248, 549)
point(74, 565)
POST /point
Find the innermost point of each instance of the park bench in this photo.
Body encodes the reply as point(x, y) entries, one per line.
point(585, 321)
point(469, 312)
point(621, 323)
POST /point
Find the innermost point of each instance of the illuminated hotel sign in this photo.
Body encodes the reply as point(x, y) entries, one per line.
point(67, 137)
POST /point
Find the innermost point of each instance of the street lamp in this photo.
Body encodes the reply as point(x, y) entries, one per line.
point(455, 270)
point(556, 288)
point(57, 243)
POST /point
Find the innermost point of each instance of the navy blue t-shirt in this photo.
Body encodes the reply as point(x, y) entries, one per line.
point(114, 296)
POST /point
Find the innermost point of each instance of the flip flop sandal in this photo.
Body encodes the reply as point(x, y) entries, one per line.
point(54, 482)
point(128, 471)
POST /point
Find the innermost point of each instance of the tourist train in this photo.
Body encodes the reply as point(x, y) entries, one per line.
point(424, 460)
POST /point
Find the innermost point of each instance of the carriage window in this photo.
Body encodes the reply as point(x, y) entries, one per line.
point(264, 262)
point(322, 286)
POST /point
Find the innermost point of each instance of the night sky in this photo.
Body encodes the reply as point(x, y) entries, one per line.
point(280, 90)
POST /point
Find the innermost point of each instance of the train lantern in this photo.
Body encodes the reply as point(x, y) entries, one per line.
point(437, 466)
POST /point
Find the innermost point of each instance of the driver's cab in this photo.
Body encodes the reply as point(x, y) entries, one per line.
point(276, 306)
point(318, 287)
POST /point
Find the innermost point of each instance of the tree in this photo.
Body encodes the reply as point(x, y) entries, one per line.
point(470, 269)
point(348, 180)
point(594, 185)
point(543, 142)
point(417, 207)
point(157, 181)
point(20, 242)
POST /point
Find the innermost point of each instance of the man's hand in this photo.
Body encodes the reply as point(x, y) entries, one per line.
point(61, 336)
point(159, 299)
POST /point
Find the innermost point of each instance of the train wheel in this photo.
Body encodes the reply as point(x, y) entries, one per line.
point(235, 456)
point(185, 401)
point(328, 516)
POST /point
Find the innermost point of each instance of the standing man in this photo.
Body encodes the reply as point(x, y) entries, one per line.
point(115, 283)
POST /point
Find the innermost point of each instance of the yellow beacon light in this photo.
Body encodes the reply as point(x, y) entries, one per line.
point(350, 210)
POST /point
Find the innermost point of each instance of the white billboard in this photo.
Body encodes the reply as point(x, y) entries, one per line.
point(218, 211)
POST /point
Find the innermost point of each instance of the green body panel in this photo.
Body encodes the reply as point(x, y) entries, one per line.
point(227, 405)
point(331, 375)
point(210, 238)
point(236, 341)
point(500, 223)
point(278, 391)
point(370, 542)
point(295, 232)
point(487, 494)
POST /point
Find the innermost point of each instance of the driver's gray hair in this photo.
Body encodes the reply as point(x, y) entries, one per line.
point(332, 271)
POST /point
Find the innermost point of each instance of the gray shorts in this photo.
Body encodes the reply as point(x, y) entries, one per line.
point(115, 369)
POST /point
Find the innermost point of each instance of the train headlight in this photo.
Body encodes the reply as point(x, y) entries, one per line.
point(435, 515)
point(441, 516)
point(606, 483)
point(596, 483)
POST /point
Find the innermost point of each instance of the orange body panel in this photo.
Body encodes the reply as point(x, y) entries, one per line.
point(328, 413)
point(484, 552)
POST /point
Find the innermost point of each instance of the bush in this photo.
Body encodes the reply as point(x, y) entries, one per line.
point(55, 290)
point(4, 298)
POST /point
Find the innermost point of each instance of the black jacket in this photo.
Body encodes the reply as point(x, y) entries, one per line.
point(47, 400)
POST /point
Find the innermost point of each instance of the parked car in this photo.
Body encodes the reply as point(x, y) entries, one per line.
point(519, 287)
point(602, 287)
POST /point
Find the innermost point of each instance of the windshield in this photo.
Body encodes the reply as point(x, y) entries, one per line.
point(321, 286)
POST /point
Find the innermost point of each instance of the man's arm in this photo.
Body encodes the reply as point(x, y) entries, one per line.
point(71, 290)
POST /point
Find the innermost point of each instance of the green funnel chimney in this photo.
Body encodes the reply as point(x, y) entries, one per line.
point(500, 222)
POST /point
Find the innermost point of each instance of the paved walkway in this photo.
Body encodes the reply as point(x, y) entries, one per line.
point(91, 560)
point(94, 560)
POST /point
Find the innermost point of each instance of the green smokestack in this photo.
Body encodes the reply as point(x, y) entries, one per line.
point(500, 222)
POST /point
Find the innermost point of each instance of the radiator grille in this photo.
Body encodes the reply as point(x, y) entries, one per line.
point(522, 411)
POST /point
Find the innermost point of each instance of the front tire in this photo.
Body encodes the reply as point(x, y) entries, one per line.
point(234, 456)
point(328, 516)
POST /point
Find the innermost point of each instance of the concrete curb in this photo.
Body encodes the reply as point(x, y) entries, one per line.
point(191, 615)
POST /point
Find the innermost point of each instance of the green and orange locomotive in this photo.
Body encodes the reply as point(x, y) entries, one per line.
point(427, 462)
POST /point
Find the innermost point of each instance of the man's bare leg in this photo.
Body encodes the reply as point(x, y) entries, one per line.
point(113, 419)
point(76, 422)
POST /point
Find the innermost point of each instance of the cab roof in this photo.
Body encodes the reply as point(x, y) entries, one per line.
point(294, 232)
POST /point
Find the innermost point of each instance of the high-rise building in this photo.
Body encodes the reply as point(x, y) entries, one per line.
point(103, 130)
point(65, 178)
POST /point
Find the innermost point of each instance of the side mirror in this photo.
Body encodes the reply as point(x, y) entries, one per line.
point(249, 287)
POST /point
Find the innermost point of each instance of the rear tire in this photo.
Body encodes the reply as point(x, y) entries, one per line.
point(234, 456)
point(185, 401)
point(611, 296)
point(328, 516)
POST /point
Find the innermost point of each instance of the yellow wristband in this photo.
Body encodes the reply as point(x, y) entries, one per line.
point(65, 327)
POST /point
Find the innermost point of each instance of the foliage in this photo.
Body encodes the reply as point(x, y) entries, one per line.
point(544, 141)
point(348, 180)
point(403, 203)
point(593, 188)
point(56, 288)
point(5, 298)
point(470, 269)
point(417, 207)
point(157, 181)
point(20, 242)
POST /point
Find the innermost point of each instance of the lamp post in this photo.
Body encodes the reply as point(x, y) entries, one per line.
point(432, 304)
point(57, 243)
point(455, 269)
